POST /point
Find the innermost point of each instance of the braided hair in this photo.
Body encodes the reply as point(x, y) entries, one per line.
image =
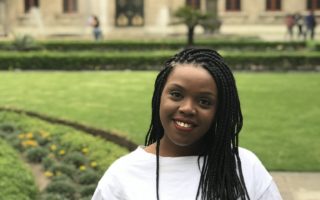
point(221, 173)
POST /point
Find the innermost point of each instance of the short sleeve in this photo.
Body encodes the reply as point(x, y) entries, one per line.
point(259, 182)
point(271, 192)
point(108, 187)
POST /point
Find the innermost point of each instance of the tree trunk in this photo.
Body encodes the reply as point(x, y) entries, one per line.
point(190, 35)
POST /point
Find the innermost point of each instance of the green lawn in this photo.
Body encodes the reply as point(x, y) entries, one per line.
point(281, 110)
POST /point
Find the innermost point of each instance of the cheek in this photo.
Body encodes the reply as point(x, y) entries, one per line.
point(210, 117)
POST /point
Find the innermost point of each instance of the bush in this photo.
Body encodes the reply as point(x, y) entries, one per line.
point(48, 162)
point(75, 158)
point(36, 154)
point(87, 190)
point(52, 196)
point(24, 43)
point(88, 177)
point(62, 168)
point(64, 188)
point(281, 61)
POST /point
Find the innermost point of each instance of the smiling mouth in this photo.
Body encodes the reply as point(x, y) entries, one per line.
point(183, 124)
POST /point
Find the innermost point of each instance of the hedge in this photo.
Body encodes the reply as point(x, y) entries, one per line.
point(153, 60)
point(159, 45)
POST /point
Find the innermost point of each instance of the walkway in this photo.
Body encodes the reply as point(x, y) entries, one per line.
point(298, 186)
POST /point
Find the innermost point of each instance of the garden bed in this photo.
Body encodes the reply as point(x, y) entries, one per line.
point(73, 161)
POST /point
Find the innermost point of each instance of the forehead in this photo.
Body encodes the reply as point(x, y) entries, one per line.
point(192, 77)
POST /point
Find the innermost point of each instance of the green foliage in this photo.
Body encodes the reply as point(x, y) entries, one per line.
point(75, 158)
point(16, 181)
point(24, 43)
point(36, 154)
point(66, 169)
point(48, 162)
point(88, 190)
point(88, 177)
point(190, 16)
point(63, 188)
point(52, 196)
point(239, 60)
point(72, 173)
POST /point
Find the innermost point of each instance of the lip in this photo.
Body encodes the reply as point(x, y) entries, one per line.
point(193, 124)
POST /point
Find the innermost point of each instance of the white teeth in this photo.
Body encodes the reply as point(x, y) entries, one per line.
point(185, 125)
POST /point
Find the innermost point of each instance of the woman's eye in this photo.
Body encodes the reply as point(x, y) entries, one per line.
point(175, 94)
point(205, 102)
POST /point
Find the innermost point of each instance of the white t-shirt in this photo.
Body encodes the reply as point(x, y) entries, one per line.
point(133, 177)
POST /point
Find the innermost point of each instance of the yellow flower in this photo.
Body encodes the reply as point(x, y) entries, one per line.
point(85, 150)
point(48, 174)
point(44, 134)
point(29, 135)
point(62, 152)
point(29, 143)
point(82, 168)
point(53, 147)
point(21, 136)
point(93, 164)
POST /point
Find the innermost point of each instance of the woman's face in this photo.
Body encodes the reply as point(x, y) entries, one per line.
point(187, 109)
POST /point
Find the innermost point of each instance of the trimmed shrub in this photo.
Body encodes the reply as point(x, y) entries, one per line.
point(87, 190)
point(62, 168)
point(88, 177)
point(154, 60)
point(36, 154)
point(48, 162)
point(52, 196)
point(64, 188)
point(75, 158)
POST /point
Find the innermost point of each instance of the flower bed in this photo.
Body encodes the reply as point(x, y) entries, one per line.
point(74, 161)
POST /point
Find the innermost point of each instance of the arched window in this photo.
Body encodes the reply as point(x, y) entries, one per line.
point(70, 6)
point(28, 4)
point(193, 3)
point(273, 5)
point(233, 5)
point(313, 4)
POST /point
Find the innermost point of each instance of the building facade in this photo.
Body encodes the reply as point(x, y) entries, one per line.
point(123, 18)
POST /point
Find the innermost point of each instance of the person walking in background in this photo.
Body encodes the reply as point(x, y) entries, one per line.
point(94, 22)
point(299, 21)
point(289, 21)
point(311, 24)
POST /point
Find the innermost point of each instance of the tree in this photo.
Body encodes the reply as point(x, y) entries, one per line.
point(191, 18)
point(212, 23)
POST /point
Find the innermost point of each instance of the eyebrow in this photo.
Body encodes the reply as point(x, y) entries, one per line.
point(208, 93)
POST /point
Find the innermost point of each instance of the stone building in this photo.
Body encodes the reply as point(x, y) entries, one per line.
point(143, 18)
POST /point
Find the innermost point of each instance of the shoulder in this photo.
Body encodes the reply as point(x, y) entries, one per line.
point(256, 176)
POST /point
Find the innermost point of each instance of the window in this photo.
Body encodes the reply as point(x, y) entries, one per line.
point(193, 3)
point(313, 4)
point(70, 6)
point(233, 5)
point(273, 5)
point(129, 13)
point(28, 4)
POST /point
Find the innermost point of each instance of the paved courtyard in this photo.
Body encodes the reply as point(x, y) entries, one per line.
point(298, 186)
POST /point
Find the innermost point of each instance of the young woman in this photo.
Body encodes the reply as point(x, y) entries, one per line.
point(191, 150)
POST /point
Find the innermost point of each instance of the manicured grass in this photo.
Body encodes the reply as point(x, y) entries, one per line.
point(16, 180)
point(281, 110)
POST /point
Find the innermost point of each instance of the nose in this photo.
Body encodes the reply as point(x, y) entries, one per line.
point(187, 107)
